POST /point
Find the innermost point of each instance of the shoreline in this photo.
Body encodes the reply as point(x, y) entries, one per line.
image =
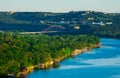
point(54, 62)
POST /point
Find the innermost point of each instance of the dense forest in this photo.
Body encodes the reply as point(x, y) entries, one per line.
point(23, 50)
point(72, 30)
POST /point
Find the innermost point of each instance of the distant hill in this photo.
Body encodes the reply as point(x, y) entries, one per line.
point(80, 22)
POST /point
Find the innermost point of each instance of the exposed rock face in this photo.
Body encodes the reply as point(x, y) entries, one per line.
point(23, 73)
point(55, 61)
point(79, 51)
point(76, 52)
point(42, 66)
point(46, 65)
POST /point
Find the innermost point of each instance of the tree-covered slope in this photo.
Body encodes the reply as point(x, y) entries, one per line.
point(89, 22)
point(18, 50)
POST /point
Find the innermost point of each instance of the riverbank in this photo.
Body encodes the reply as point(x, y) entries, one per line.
point(104, 60)
point(54, 62)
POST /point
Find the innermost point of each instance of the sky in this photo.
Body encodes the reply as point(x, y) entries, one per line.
point(110, 6)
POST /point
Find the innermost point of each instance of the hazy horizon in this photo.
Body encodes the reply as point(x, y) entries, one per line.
point(109, 6)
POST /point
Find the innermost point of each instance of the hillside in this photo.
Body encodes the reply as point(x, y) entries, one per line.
point(82, 22)
point(20, 51)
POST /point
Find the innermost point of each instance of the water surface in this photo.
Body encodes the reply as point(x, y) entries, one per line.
point(102, 62)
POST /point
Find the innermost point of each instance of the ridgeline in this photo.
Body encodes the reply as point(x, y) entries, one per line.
point(75, 22)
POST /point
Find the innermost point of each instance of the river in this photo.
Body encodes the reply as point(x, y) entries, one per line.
point(101, 62)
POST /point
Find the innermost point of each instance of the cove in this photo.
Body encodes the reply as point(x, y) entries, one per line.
point(101, 62)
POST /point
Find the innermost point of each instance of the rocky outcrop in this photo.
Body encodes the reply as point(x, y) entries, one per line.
point(22, 74)
point(55, 61)
point(79, 51)
point(46, 65)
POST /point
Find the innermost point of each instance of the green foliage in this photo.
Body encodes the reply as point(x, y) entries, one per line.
point(44, 57)
point(22, 50)
point(31, 21)
point(67, 50)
